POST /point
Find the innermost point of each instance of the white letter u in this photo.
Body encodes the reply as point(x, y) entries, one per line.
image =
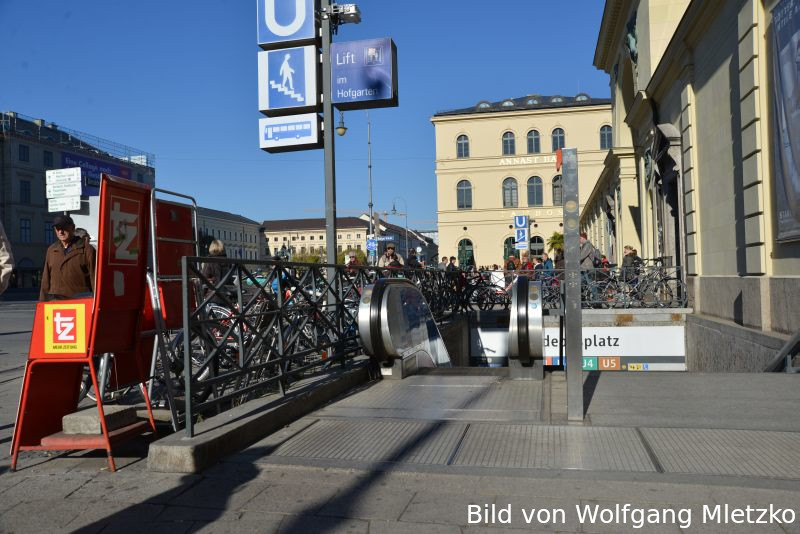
point(280, 29)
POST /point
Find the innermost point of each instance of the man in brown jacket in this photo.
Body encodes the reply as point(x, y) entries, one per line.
point(69, 263)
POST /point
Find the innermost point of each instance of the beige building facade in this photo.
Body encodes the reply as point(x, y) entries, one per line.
point(497, 160)
point(693, 162)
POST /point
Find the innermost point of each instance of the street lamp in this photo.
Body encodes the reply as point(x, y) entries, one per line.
point(341, 129)
point(395, 212)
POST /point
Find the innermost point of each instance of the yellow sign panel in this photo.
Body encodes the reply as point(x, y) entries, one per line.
point(65, 328)
point(635, 367)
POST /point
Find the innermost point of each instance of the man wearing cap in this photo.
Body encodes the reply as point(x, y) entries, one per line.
point(69, 263)
point(390, 258)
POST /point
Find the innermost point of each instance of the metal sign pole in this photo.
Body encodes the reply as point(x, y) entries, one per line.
point(328, 142)
point(572, 267)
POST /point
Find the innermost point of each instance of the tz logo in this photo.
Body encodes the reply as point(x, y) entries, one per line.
point(124, 231)
point(64, 326)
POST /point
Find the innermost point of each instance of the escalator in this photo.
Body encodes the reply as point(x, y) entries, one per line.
point(397, 328)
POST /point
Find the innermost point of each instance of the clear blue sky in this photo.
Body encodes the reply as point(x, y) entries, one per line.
point(178, 79)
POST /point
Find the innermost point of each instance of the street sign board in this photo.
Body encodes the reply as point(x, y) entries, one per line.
point(63, 176)
point(64, 204)
point(372, 244)
point(364, 74)
point(285, 22)
point(287, 80)
point(521, 232)
point(91, 169)
point(294, 132)
point(64, 189)
point(385, 238)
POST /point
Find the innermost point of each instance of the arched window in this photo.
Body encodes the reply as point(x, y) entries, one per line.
point(558, 199)
point(464, 195)
point(465, 255)
point(537, 245)
point(510, 196)
point(508, 249)
point(558, 139)
point(605, 138)
point(533, 142)
point(509, 144)
point(462, 146)
point(535, 196)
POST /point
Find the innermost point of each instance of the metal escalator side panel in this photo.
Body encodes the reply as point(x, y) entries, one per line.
point(535, 321)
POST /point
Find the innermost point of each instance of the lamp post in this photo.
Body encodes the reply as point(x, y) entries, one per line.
point(395, 212)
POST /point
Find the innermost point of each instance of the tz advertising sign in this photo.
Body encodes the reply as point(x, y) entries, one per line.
point(65, 328)
point(286, 22)
point(293, 132)
point(364, 74)
point(287, 80)
point(125, 243)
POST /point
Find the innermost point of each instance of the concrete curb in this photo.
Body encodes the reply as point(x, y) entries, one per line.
point(239, 427)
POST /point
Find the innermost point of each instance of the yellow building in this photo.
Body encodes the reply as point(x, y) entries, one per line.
point(496, 160)
point(694, 162)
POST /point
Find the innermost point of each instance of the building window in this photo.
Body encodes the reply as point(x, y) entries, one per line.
point(25, 191)
point(349, 236)
point(321, 237)
point(535, 195)
point(557, 191)
point(462, 146)
point(338, 236)
point(275, 239)
point(358, 247)
point(25, 230)
point(558, 139)
point(49, 234)
point(605, 138)
point(294, 238)
point(339, 247)
point(311, 238)
point(140, 177)
point(509, 144)
point(464, 195)
point(537, 245)
point(302, 250)
point(533, 142)
point(302, 238)
point(510, 197)
point(285, 238)
point(358, 236)
point(47, 158)
point(465, 254)
point(24, 153)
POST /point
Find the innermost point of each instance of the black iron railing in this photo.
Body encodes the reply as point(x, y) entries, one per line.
point(265, 326)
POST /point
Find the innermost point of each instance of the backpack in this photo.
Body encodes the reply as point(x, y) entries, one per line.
point(597, 259)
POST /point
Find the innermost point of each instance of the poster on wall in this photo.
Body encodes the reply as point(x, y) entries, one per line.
point(786, 72)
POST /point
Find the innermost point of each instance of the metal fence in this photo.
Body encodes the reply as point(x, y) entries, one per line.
point(264, 326)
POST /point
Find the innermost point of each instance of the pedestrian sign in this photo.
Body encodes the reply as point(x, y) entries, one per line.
point(287, 81)
point(372, 244)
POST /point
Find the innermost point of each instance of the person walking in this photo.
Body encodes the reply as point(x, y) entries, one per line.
point(547, 263)
point(590, 258)
point(412, 261)
point(6, 260)
point(390, 258)
point(443, 264)
point(69, 263)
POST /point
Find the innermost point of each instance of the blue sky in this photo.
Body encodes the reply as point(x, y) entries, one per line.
point(178, 79)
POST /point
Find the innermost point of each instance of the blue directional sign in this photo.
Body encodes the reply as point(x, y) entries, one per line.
point(293, 132)
point(521, 232)
point(364, 74)
point(286, 23)
point(287, 81)
point(372, 244)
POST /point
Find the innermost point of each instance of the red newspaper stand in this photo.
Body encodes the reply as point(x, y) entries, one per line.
point(67, 333)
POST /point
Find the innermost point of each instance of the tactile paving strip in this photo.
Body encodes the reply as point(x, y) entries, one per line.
point(553, 447)
point(417, 442)
point(726, 452)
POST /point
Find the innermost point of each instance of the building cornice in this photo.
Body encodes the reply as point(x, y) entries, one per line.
point(640, 111)
point(592, 108)
point(614, 16)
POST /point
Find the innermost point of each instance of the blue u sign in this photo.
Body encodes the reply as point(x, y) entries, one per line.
point(521, 221)
point(286, 22)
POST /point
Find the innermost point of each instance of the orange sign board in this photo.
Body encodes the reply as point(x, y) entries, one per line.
point(65, 328)
point(608, 363)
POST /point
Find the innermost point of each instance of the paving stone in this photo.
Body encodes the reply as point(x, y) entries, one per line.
point(219, 494)
point(292, 499)
point(136, 488)
point(97, 515)
point(403, 527)
point(43, 515)
point(372, 503)
point(193, 514)
point(328, 525)
point(550, 517)
point(247, 522)
point(428, 507)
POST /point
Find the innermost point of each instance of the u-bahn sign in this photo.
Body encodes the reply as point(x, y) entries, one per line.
point(284, 23)
point(364, 74)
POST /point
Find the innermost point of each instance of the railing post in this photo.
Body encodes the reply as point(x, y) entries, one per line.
point(187, 346)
